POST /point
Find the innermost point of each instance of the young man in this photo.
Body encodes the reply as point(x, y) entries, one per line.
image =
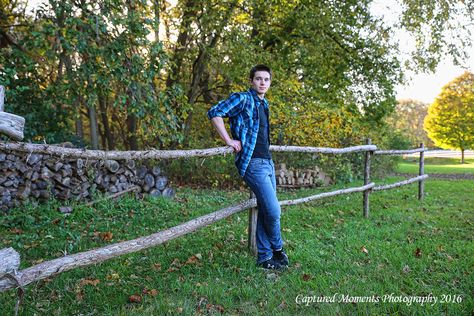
point(250, 129)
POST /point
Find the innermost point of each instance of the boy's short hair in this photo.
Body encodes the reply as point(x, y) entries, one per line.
point(259, 68)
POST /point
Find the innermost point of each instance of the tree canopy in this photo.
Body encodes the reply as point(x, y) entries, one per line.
point(133, 74)
point(408, 119)
point(450, 119)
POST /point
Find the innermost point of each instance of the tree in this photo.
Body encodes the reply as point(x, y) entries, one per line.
point(408, 119)
point(450, 119)
point(95, 65)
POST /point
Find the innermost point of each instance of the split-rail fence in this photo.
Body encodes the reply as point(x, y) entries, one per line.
point(11, 277)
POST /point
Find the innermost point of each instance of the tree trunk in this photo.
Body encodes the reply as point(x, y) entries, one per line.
point(94, 128)
point(462, 155)
point(156, 9)
point(105, 122)
point(189, 13)
point(199, 68)
point(132, 131)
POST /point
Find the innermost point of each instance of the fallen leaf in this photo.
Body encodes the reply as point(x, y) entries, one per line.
point(79, 296)
point(175, 265)
point(113, 276)
point(219, 308)
point(179, 310)
point(157, 266)
point(364, 250)
point(17, 231)
point(152, 292)
point(93, 282)
point(172, 269)
point(306, 277)
point(175, 262)
point(135, 298)
point(107, 236)
point(192, 260)
point(418, 252)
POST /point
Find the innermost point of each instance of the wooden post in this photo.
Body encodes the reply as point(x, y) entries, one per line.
point(421, 184)
point(368, 154)
point(252, 229)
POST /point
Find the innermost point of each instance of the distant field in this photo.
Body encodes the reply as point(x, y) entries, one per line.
point(437, 165)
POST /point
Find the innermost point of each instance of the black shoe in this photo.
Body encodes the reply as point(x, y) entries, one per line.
point(270, 264)
point(281, 257)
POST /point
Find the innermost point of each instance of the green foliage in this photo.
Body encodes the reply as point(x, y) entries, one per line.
point(450, 120)
point(142, 74)
point(407, 119)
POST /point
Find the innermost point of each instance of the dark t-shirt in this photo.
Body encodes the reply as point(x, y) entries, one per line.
point(262, 147)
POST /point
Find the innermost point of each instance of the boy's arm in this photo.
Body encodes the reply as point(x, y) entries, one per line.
point(227, 108)
point(218, 123)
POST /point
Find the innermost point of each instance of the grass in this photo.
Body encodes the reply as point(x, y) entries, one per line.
point(437, 165)
point(413, 249)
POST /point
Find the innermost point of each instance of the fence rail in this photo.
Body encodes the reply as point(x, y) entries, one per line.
point(10, 277)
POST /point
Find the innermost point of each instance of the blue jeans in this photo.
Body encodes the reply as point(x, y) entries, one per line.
point(260, 177)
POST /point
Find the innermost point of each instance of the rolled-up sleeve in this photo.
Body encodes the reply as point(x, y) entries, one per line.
point(227, 108)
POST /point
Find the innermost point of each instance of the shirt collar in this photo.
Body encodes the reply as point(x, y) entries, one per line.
point(255, 96)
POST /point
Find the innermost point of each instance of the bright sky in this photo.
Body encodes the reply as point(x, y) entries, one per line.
point(422, 87)
point(425, 87)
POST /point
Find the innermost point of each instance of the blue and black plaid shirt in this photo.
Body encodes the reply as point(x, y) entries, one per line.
point(242, 110)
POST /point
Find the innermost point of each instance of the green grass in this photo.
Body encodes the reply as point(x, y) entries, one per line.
point(437, 165)
point(323, 239)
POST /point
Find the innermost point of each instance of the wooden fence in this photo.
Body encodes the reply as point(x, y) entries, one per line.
point(10, 277)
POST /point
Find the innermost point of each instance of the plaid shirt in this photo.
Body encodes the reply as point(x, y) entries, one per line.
point(242, 110)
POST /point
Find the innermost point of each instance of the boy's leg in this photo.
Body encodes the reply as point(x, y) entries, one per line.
point(261, 179)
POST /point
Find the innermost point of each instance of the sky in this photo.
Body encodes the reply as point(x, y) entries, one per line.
point(423, 87)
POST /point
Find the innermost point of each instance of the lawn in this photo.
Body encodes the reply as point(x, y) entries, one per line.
point(437, 165)
point(406, 249)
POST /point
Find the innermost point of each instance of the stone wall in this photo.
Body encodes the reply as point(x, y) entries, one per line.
point(25, 176)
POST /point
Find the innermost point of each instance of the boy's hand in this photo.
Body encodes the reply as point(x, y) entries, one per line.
point(236, 144)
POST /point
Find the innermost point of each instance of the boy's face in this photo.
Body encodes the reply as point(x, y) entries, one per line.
point(261, 82)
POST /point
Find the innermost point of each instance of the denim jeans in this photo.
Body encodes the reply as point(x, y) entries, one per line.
point(260, 177)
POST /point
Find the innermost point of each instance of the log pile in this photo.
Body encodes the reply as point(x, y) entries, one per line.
point(290, 178)
point(32, 176)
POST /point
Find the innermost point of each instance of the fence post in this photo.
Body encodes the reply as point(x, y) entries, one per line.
point(252, 229)
point(421, 184)
point(368, 154)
